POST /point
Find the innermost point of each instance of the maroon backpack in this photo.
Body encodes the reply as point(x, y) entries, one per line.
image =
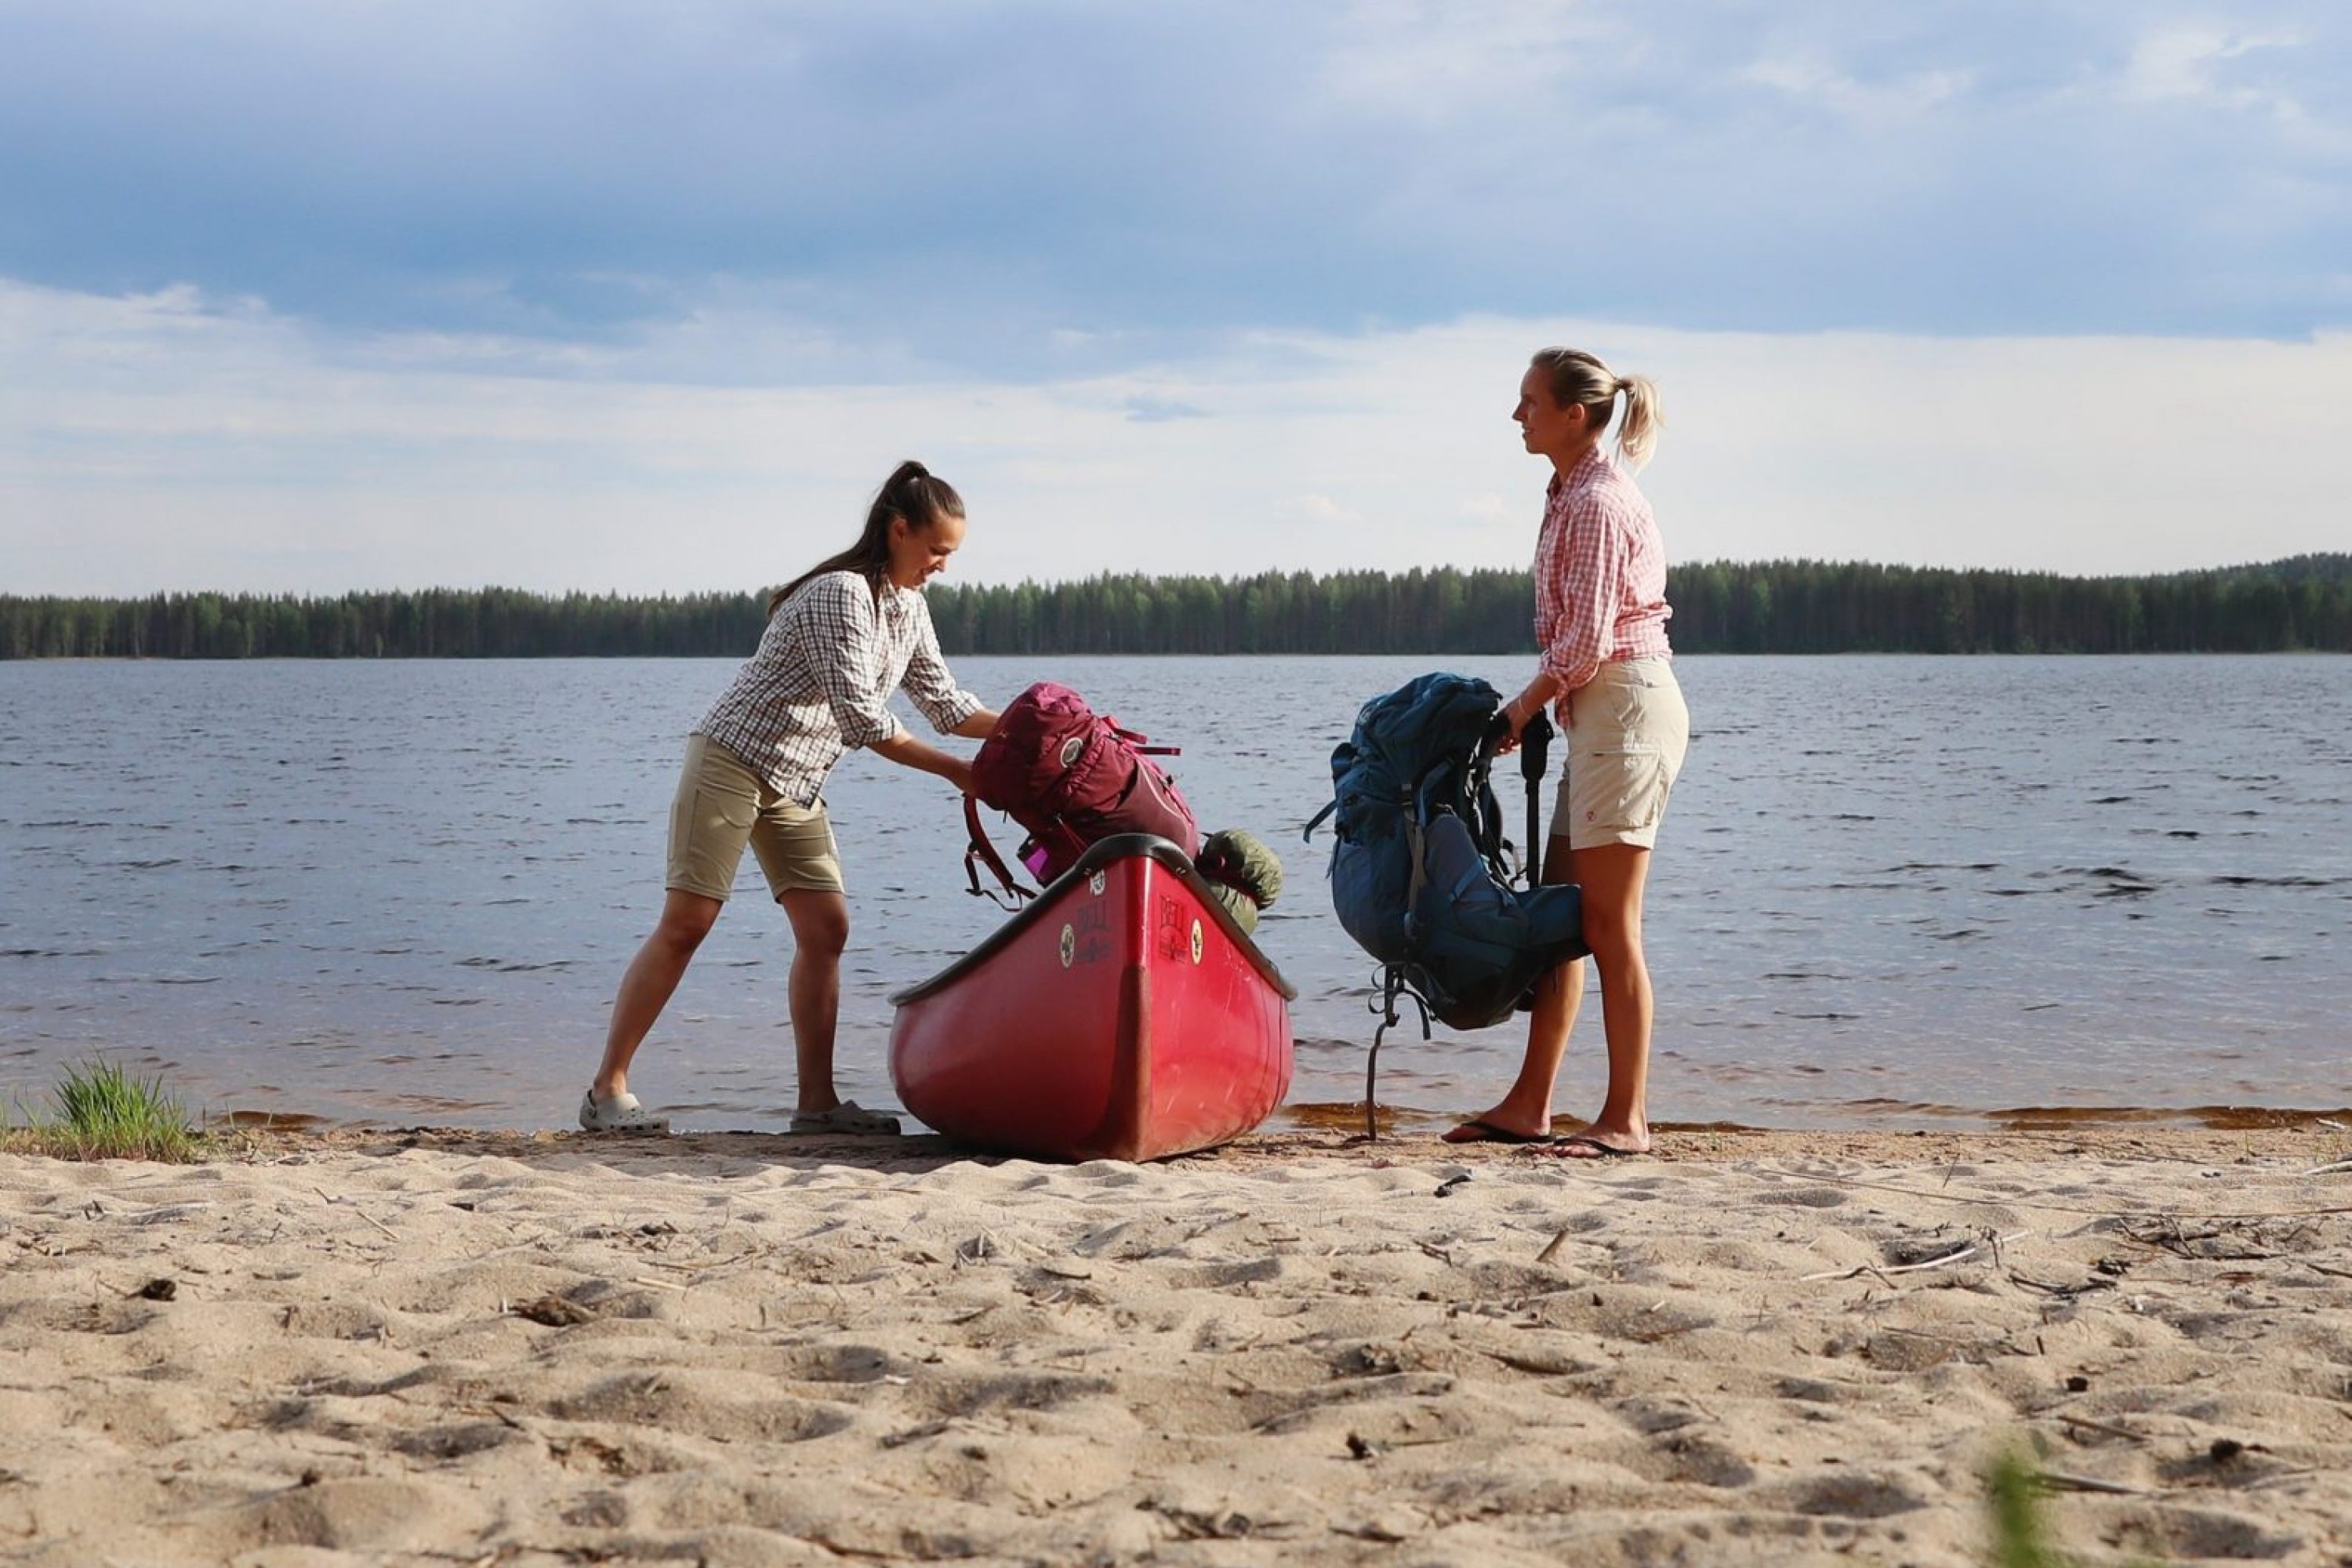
point(1069, 776)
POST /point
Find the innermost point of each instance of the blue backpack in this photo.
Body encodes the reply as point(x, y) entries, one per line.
point(1422, 874)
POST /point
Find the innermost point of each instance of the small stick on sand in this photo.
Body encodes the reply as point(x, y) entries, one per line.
point(2068, 1291)
point(355, 1208)
point(1964, 1251)
point(2066, 1482)
point(2274, 1480)
point(2090, 1426)
point(1967, 1249)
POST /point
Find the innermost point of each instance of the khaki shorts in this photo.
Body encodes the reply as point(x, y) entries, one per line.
point(722, 805)
point(1627, 733)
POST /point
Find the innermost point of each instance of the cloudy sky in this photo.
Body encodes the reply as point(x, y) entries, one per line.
point(569, 293)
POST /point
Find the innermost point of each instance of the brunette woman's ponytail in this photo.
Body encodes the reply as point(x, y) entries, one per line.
point(913, 492)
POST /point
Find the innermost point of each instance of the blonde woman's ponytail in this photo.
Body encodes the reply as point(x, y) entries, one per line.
point(1575, 376)
point(1637, 438)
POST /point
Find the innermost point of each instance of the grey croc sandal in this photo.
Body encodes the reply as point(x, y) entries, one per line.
point(622, 1113)
point(848, 1117)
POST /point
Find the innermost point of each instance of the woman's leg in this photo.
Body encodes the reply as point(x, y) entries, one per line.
point(1526, 1109)
point(820, 931)
point(653, 976)
point(1612, 877)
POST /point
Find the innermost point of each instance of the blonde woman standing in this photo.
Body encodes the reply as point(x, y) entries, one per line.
point(841, 637)
point(1606, 670)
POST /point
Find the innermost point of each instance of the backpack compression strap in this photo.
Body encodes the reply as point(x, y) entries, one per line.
point(980, 851)
point(1135, 739)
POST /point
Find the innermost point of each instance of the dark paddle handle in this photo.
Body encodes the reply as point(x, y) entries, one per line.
point(1535, 740)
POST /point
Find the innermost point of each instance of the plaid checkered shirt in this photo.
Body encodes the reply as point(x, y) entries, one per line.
point(821, 682)
point(1600, 574)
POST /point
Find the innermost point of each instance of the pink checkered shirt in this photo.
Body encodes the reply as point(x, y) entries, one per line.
point(1600, 574)
point(822, 679)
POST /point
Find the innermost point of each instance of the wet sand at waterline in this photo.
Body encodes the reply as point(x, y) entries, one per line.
point(748, 1349)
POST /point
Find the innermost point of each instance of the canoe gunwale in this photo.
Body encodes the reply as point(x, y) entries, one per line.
point(1119, 846)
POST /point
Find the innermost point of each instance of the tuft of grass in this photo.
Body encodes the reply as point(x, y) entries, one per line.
point(2023, 1536)
point(105, 1112)
point(2021, 1533)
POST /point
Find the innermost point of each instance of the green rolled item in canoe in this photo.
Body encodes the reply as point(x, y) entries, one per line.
point(1245, 874)
point(1238, 904)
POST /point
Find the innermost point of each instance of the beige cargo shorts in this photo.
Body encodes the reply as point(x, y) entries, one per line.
point(1627, 733)
point(722, 806)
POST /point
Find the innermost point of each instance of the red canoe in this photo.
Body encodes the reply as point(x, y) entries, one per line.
point(1121, 1014)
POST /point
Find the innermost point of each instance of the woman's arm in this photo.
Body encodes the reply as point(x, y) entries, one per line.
point(1530, 702)
point(908, 752)
point(933, 688)
point(1591, 580)
point(846, 649)
point(1588, 579)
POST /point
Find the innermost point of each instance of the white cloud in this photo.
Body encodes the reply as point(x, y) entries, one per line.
point(1816, 81)
point(2185, 63)
point(1428, 61)
point(157, 442)
point(1323, 508)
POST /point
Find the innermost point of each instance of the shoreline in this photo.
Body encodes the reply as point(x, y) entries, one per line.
point(762, 1349)
point(1679, 1142)
point(1406, 1123)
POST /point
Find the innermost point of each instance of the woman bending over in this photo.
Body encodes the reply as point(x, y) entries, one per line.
point(841, 637)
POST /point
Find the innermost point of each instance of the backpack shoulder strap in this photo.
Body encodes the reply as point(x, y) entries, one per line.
point(979, 852)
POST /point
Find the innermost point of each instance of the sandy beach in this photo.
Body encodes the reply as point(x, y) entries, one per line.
point(736, 1349)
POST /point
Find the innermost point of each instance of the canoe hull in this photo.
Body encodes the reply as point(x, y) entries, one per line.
point(1119, 1015)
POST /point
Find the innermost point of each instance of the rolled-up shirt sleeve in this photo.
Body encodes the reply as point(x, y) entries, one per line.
point(843, 615)
point(928, 682)
point(1590, 576)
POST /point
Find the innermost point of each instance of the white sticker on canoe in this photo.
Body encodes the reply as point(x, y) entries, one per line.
point(1096, 883)
point(1070, 945)
point(1196, 942)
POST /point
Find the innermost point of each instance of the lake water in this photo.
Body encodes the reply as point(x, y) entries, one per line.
point(1890, 890)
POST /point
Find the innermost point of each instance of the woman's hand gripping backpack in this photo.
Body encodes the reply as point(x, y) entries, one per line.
point(1070, 777)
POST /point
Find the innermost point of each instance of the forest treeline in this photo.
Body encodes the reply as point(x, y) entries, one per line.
point(1720, 606)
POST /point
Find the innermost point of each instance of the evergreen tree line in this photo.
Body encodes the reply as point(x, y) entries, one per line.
point(1720, 606)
